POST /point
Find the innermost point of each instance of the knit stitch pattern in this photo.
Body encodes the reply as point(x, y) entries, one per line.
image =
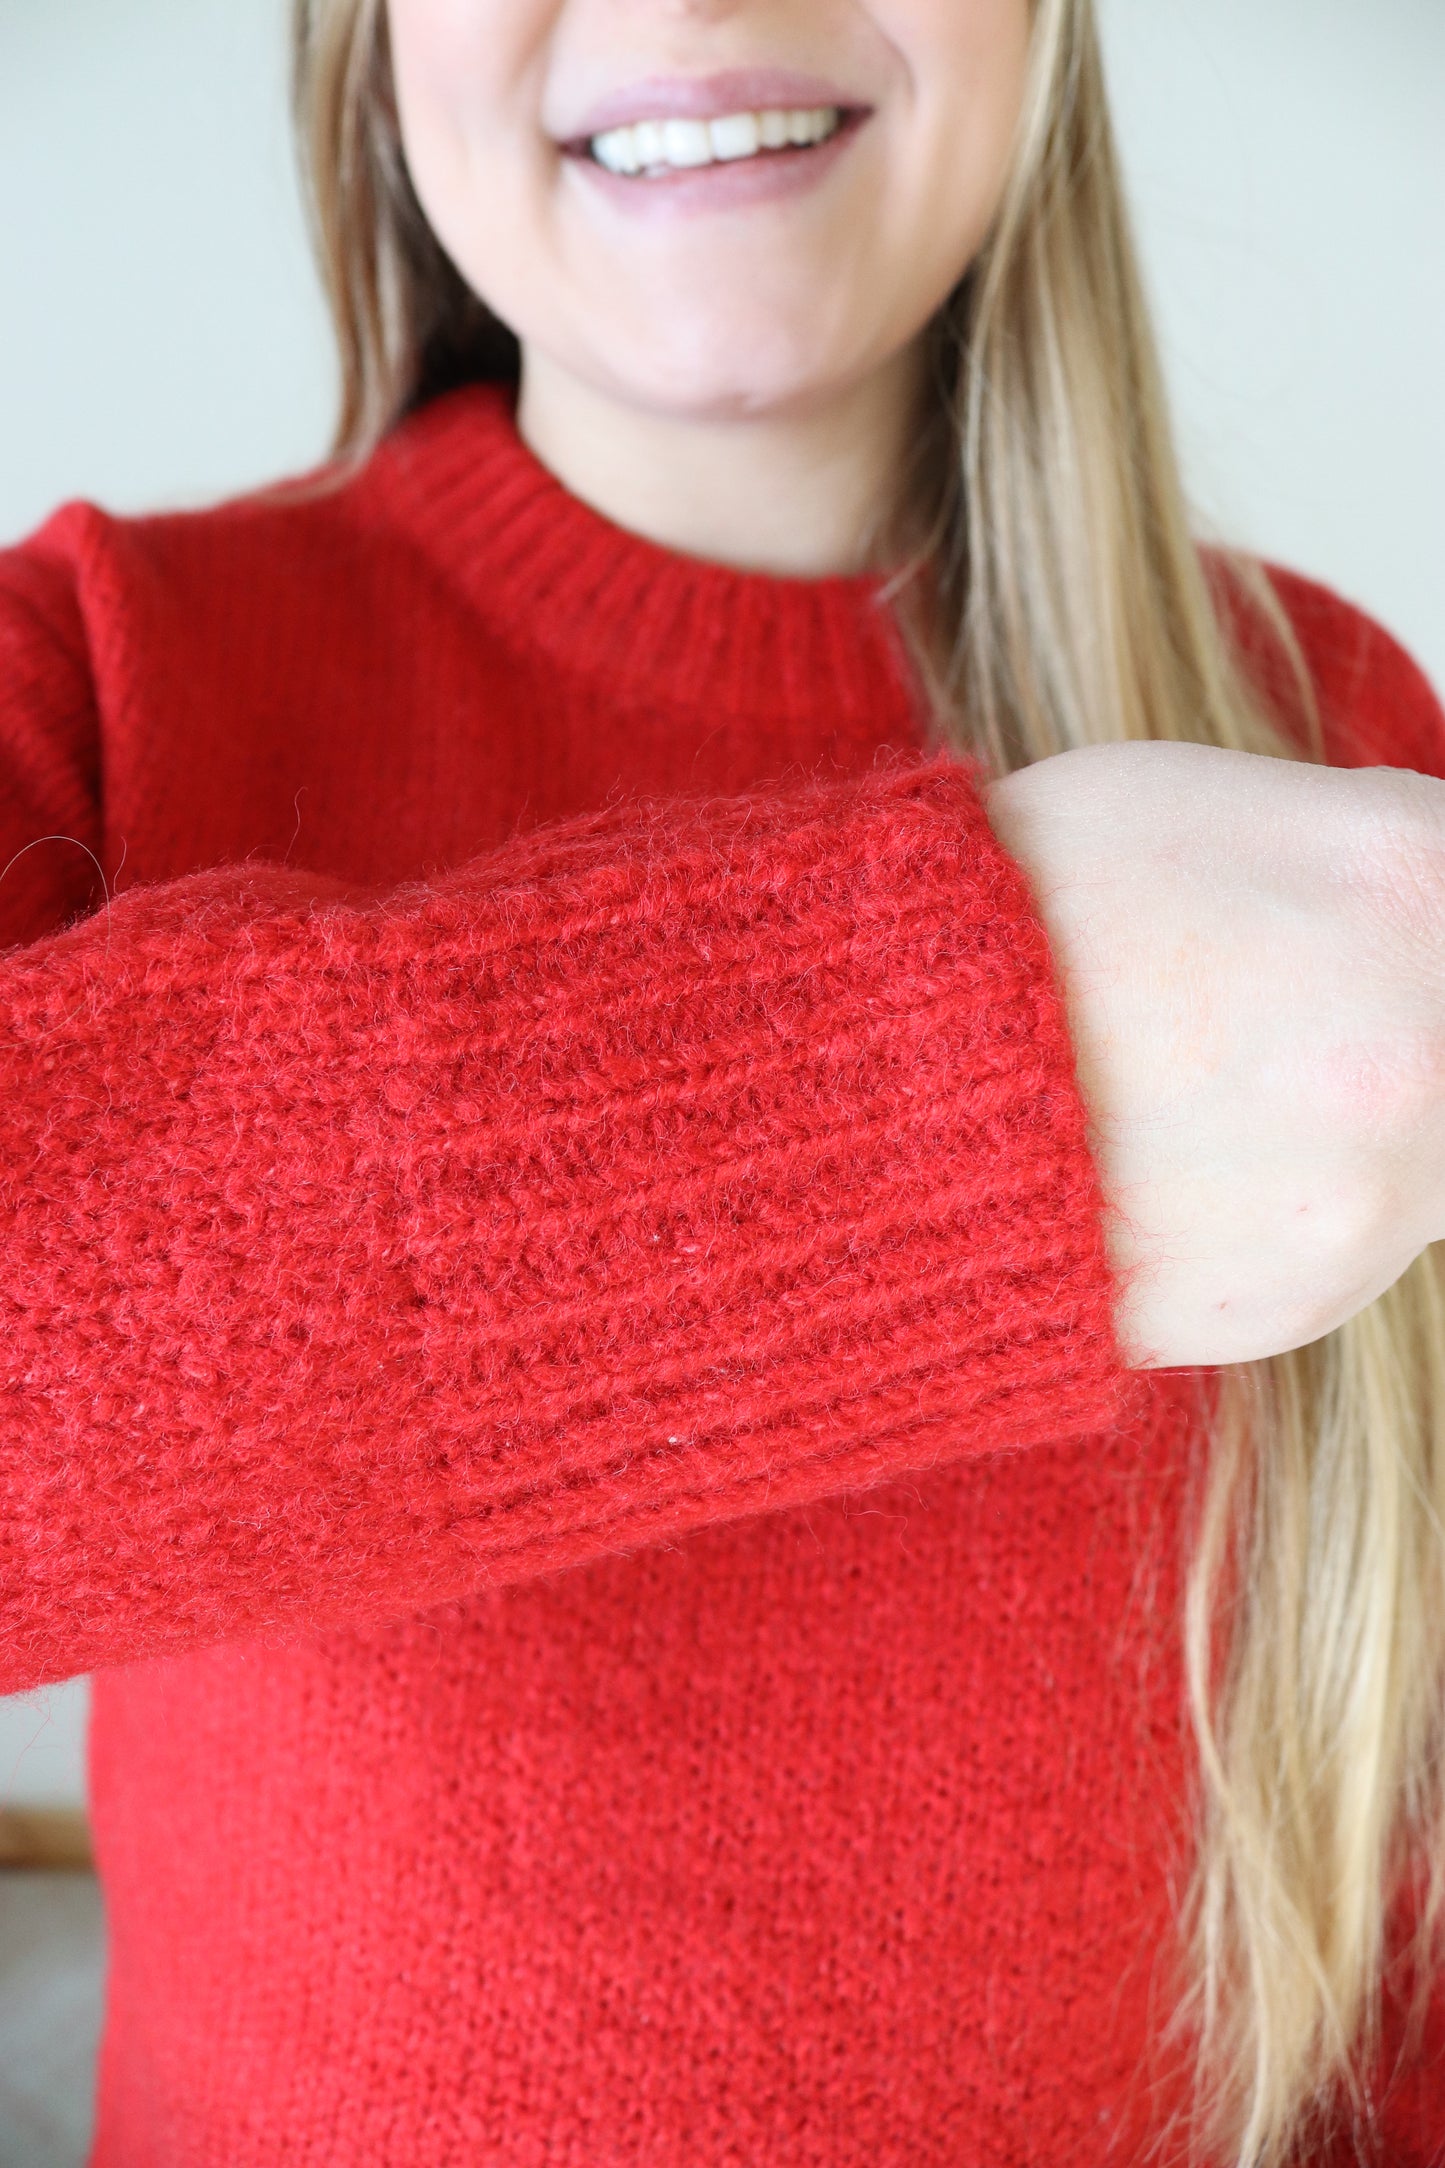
point(667, 1164)
point(556, 1356)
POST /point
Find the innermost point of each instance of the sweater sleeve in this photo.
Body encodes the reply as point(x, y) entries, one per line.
point(667, 1164)
point(50, 868)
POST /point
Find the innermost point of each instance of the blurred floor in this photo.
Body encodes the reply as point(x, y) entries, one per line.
point(52, 1952)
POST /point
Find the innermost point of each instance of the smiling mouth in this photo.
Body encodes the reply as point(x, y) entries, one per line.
point(649, 150)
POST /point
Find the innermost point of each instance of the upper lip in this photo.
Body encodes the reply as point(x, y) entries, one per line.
point(708, 97)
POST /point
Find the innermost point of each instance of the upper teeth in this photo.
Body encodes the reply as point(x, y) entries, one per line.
point(667, 143)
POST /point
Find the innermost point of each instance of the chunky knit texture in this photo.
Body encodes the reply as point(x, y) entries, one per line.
point(556, 1356)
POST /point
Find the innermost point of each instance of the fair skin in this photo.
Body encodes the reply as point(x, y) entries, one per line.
point(1249, 949)
point(736, 383)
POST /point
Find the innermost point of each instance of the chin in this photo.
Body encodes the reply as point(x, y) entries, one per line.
point(727, 385)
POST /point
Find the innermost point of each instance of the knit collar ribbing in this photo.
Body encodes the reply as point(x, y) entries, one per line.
point(653, 625)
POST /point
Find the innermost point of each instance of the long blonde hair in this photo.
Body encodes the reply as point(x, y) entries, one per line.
point(1070, 603)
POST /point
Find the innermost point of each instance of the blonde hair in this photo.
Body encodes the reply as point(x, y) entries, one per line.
point(1067, 602)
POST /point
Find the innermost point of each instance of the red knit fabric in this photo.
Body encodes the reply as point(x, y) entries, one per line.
point(556, 1356)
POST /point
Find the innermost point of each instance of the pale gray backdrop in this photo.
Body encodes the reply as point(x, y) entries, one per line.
point(163, 341)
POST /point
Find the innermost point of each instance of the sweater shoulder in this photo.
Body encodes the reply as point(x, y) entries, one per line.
point(304, 579)
point(265, 536)
point(1377, 705)
point(201, 668)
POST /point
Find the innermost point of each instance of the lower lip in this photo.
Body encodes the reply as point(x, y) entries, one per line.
point(730, 183)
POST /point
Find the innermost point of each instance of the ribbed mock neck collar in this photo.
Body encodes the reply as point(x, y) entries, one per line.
point(652, 624)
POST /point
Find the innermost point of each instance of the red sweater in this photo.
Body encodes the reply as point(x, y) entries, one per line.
point(556, 1357)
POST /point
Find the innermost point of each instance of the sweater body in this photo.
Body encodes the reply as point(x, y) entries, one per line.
point(843, 1834)
point(638, 1676)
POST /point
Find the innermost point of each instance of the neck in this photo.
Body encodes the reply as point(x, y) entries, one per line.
point(801, 494)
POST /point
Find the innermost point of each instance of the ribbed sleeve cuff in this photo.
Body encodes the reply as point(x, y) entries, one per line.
point(673, 1163)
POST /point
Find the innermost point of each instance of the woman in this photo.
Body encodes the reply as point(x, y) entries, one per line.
point(720, 1317)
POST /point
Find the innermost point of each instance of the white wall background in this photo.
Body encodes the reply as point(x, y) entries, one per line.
point(163, 341)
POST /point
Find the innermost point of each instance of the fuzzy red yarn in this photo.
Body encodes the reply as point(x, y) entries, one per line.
point(556, 1356)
